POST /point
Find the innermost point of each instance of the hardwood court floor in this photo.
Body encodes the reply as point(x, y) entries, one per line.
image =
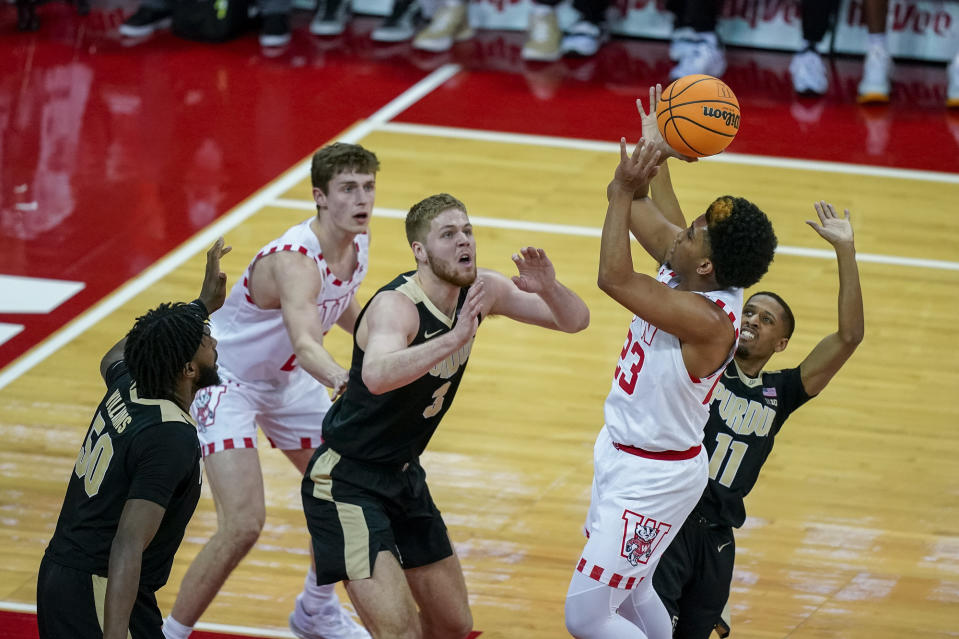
point(853, 529)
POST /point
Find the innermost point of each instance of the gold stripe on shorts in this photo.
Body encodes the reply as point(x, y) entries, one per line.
point(356, 534)
point(100, 599)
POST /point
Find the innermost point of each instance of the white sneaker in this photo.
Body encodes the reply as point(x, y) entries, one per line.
point(450, 24)
point(331, 17)
point(875, 86)
point(582, 39)
point(952, 92)
point(542, 45)
point(705, 55)
point(680, 42)
point(332, 623)
point(808, 73)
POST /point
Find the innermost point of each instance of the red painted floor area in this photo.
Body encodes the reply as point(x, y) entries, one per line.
point(112, 155)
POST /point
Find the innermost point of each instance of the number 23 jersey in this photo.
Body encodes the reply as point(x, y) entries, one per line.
point(134, 449)
point(654, 403)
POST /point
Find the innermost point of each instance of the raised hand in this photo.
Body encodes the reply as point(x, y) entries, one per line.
point(468, 320)
point(213, 291)
point(536, 272)
point(651, 126)
point(834, 229)
point(635, 171)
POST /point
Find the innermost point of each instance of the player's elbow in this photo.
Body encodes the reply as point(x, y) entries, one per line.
point(374, 381)
point(852, 337)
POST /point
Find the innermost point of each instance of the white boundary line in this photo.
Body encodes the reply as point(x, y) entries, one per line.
point(207, 236)
point(590, 231)
point(613, 147)
point(14, 606)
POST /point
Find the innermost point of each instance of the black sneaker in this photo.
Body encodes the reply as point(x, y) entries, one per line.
point(145, 21)
point(400, 25)
point(275, 31)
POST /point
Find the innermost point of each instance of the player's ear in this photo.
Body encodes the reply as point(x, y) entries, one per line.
point(419, 251)
point(319, 197)
point(190, 370)
point(705, 267)
point(781, 344)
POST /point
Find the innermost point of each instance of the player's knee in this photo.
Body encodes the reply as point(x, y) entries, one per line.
point(242, 531)
point(581, 621)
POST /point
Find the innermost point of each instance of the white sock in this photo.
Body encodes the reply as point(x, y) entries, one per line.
point(173, 629)
point(315, 599)
point(877, 40)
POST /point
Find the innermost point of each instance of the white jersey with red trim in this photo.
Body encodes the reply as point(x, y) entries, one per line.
point(654, 403)
point(253, 344)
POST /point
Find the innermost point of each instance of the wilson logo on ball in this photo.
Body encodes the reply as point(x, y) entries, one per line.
point(730, 118)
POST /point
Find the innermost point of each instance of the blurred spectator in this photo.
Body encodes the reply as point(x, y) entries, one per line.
point(584, 37)
point(877, 67)
point(158, 14)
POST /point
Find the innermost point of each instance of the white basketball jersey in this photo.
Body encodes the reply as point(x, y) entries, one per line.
point(654, 403)
point(253, 343)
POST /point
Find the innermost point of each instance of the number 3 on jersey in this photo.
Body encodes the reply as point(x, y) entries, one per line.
point(94, 458)
point(630, 363)
point(438, 396)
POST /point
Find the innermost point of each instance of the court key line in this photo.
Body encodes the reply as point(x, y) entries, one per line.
point(590, 231)
point(202, 240)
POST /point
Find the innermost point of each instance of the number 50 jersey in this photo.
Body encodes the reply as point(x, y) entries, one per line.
point(134, 449)
point(654, 403)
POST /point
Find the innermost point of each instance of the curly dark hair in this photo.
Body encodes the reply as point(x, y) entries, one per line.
point(160, 344)
point(741, 241)
point(335, 158)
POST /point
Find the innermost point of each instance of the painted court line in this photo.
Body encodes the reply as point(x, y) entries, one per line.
point(205, 238)
point(613, 147)
point(591, 231)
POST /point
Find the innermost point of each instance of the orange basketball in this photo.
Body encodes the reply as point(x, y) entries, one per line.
point(698, 115)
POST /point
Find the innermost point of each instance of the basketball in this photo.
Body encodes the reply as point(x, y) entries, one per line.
point(698, 115)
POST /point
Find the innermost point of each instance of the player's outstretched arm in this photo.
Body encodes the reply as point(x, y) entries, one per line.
point(297, 283)
point(139, 522)
point(661, 186)
point(391, 323)
point(535, 296)
point(831, 353)
point(212, 295)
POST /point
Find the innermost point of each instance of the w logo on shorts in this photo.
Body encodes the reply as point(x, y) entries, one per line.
point(641, 536)
point(204, 406)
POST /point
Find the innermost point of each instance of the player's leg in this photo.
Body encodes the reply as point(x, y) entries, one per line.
point(236, 481)
point(591, 611)
point(677, 567)
point(384, 601)
point(317, 610)
point(440, 591)
point(644, 608)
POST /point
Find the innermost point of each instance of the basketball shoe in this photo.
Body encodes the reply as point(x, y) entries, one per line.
point(333, 622)
point(145, 21)
point(400, 25)
point(450, 24)
point(875, 86)
point(542, 44)
point(704, 55)
point(331, 17)
point(583, 39)
point(808, 73)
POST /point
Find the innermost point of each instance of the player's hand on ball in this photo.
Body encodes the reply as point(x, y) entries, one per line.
point(651, 127)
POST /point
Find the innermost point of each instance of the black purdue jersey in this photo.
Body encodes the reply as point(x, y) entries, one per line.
point(134, 449)
point(745, 416)
point(396, 426)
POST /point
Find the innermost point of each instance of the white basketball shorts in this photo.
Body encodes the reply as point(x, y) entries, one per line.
point(291, 415)
point(637, 507)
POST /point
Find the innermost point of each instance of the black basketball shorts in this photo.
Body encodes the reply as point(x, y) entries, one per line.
point(355, 510)
point(70, 604)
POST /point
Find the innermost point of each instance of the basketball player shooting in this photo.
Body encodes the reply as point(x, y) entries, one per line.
point(650, 468)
